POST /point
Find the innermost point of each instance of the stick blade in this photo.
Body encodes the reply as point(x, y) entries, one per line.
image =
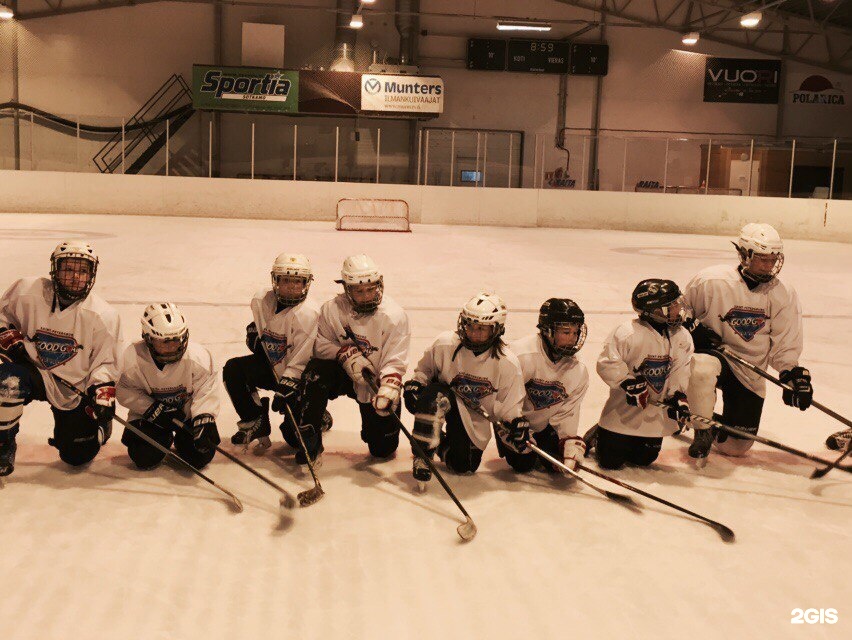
point(624, 500)
point(724, 532)
point(819, 473)
point(311, 496)
point(467, 530)
point(235, 504)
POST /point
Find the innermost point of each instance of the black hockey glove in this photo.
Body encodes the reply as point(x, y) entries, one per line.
point(411, 395)
point(678, 409)
point(101, 401)
point(704, 337)
point(636, 391)
point(252, 337)
point(12, 343)
point(799, 380)
point(162, 415)
point(205, 435)
point(287, 391)
point(515, 434)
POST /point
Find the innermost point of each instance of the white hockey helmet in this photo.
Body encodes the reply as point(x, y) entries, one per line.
point(484, 309)
point(361, 269)
point(163, 321)
point(293, 265)
point(64, 251)
point(758, 238)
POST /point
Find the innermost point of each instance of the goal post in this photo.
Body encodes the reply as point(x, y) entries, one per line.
point(372, 214)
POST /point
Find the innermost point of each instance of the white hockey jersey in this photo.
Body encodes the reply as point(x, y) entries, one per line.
point(635, 347)
point(287, 337)
point(493, 383)
point(554, 390)
point(191, 383)
point(384, 335)
point(763, 326)
point(81, 343)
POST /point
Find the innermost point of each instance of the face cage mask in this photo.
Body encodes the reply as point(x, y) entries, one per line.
point(372, 305)
point(473, 346)
point(172, 357)
point(291, 302)
point(746, 256)
point(64, 294)
point(562, 352)
point(660, 315)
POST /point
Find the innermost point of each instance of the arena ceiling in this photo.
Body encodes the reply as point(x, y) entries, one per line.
point(815, 32)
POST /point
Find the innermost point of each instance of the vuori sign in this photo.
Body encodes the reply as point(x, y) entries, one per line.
point(742, 80)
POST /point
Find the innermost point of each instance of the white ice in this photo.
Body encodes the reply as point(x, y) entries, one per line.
point(111, 552)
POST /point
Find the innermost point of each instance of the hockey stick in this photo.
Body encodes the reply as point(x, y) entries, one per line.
point(308, 497)
point(774, 380)
point(234, 501)
point(751, 436)
point(819, 473)
point(466, 530)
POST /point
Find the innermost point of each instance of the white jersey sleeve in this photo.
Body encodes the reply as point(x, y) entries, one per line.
point(662, 359)
point(191, 384)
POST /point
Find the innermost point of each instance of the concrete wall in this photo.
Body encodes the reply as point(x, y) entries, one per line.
point(58, 192)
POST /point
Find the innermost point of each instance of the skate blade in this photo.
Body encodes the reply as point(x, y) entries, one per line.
point(700, 463)
point(422, 486)
point(262, 445)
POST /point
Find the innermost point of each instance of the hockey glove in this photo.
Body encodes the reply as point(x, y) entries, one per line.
point(12, 342)
point(287, 391)
point(252, 341)
point(704, 337)
point(801, 392)
point(387, 399)
point(411, 395)
point(354, 363)
point(571, 450)
point(102, 401)
point(162, 415)
point(678, 409)
point(515, 434)
point(204, 433)
point(636, 391)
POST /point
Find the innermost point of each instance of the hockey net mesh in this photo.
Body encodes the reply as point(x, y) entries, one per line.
point(372, 214)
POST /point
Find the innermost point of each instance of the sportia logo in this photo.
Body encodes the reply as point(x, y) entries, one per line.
point(55, 348)
point(544, 393)
point(745, 321)
point(472, 389)
point(656, 369)
point(270, 86)
point(275, 346)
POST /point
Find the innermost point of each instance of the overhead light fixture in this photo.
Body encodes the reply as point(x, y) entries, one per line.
point(690, 38)
point(357, 21)
point(751, 20)
point(368, 1)
point(523, 25)
point(6, 13)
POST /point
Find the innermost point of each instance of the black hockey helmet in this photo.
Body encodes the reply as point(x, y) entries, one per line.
point(653, 298)
point(556, 312)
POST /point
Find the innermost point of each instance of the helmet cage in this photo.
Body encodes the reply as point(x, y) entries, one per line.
point(548, 331)
point(371, 305)
point(59, 288)
point(746, 256)
point(662, 315)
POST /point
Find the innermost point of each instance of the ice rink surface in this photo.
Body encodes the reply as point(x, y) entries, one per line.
point(110, 552)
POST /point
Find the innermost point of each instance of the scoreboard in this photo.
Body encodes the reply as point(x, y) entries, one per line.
point(537, 56)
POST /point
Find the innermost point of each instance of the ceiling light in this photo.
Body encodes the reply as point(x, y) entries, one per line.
point(6, 13)
point(522, 25)
point(751, 20)
point(690, 38)
point(368, 1)
point(357, 21)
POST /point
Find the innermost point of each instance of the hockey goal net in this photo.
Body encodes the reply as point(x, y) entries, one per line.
point(372, 214)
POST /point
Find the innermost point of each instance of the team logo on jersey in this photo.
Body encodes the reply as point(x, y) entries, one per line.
point(544, 394)
point(656, 370)
point(472, 389)
point(745, 321)
point(173, 397)
point(54, 348)
point(275, 346)
point(363, 344)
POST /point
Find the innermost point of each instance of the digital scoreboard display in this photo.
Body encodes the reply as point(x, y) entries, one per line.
point(538, 56)
point(589, 59)
point(486, 54)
